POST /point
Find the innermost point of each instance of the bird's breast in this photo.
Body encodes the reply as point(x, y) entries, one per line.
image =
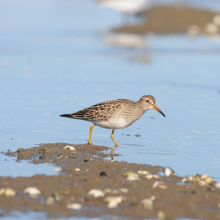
point(113, 123)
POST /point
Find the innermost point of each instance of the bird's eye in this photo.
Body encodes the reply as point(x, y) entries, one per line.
point(147, 100)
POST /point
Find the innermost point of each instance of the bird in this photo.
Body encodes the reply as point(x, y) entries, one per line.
point(115, 114)
point(125, 6)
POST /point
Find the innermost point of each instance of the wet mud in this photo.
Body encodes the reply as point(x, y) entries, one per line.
point(125, 191)
point(169, 19)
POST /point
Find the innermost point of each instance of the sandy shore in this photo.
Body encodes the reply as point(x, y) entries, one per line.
point(169, 19)
point(132, 193)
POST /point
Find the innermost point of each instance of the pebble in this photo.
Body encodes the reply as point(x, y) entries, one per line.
point(77, 169)
point(123, 190)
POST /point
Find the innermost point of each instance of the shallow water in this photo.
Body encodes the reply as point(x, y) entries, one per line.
point(56, 62)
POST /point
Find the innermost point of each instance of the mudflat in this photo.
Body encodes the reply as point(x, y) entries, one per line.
point(90, 183)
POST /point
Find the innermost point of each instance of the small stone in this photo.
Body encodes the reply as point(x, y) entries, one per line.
point(184, 180)
point(19, 150)
point(103, 173)
point(77, 169)
point(85, 161)
point(75, 206)
point(137, 135)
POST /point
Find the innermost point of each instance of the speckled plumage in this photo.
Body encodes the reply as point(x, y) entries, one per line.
point(115, 114)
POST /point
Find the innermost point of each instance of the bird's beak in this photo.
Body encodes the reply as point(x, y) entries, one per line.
point(157, 109)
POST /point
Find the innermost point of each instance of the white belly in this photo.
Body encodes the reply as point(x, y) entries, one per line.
point(113, 123)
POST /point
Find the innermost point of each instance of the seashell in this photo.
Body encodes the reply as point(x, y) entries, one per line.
point(96, 193)
point(208, 180)
point(211, 29)
point(169, 172)
point(197, 178)
point(70, 147)
point(143, 172)
point(216, 20)
point(2, 191)
point(133, 178)
point(159, 184)
point(217, 185)
point(127, 174)
point(148, 203)
point(193, 30)
point(58, 169)
point(161, 215)
point(32, 191)
point(123, 190)
point(202, 183)
point(156, 176)
point(75, 206)
point(191, 178)
point(153, 198)
point(113, 201)
point(77, 169)
point(10, 192)
point(204, 177)
point(184, 180)
point(107, 190)
point(50, 200)
point(149, 176)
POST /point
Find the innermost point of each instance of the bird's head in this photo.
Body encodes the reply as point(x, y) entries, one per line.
point(148, 102)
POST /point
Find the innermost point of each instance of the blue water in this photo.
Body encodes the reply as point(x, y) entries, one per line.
point(53, 60)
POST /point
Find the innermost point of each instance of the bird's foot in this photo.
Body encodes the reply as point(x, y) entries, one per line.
point(89, 142)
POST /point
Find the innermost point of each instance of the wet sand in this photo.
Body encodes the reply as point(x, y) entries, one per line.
point(91, 167)
point(169, 19)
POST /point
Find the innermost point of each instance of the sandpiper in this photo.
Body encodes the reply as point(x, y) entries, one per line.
point(125, 6)
point(115, 114)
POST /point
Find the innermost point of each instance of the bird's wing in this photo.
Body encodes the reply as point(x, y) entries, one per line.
point(99, 112)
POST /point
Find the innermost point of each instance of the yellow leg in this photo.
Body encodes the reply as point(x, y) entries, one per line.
point(90, 134)
point(112, 136)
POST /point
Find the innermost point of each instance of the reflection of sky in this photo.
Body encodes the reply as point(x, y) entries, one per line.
point(57, 63)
